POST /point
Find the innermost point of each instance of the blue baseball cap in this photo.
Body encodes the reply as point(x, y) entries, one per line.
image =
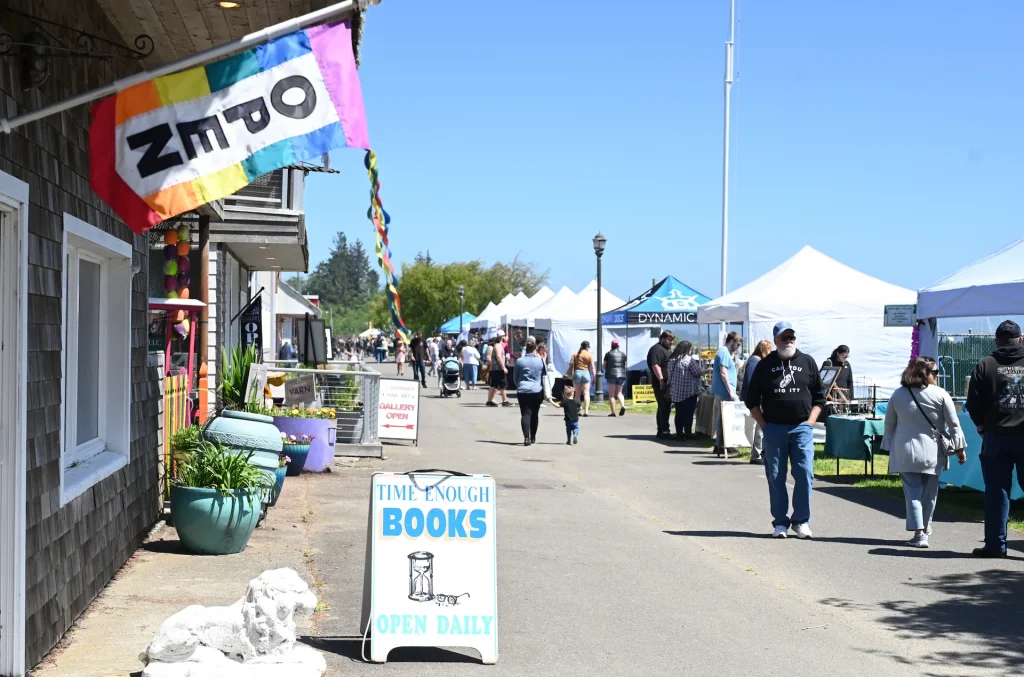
point(781, 327)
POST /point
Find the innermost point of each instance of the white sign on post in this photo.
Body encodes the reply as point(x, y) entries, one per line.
point(432, 563)
point(398, 409)
point(734, 425)
point(900, 315)
point(300, 390)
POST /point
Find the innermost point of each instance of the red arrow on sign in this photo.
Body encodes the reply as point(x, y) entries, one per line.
point(407, 427)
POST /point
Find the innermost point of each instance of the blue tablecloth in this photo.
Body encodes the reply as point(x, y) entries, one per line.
point(969, 474)
point(850, 436)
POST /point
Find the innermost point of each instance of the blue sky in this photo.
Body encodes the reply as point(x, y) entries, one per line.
point(886, 134)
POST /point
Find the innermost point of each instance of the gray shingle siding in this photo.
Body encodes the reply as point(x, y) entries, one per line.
point(73, 550)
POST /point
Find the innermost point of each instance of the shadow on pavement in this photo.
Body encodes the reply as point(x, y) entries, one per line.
point(351, 648)
point(869, 499)
point(170, 546)
point(983, 607)
point(738, 461)
point(922, 554)
point(845, 540)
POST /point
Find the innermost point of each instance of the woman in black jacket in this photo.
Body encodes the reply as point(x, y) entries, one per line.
point(615, 376)
point(844, 379)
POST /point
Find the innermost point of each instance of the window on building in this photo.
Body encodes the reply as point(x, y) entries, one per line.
point(96, 399)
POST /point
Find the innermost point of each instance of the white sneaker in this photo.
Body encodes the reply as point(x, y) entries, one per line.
point(802, 530)
point(780, 531)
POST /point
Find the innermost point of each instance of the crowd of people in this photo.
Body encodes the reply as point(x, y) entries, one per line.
point(783, 390)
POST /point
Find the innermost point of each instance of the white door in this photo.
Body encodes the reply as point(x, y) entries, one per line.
point(13, 369)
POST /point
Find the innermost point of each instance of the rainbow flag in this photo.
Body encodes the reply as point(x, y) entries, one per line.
point(171, 144)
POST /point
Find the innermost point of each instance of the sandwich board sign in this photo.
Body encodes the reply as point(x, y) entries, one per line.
point(643, 393)
point(398, 410)
point(737, 425)
point(431, 574)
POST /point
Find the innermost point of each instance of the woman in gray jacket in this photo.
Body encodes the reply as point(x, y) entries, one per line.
point(615, 377)
point(916, 414)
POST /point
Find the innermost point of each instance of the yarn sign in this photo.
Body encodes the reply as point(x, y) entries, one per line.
point(432, 578)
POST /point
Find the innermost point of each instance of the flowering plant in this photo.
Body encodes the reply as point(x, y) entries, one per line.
point(301, 438)
point(298, 412)
point(283, 460)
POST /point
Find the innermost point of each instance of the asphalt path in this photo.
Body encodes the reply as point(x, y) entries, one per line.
point(625, 555)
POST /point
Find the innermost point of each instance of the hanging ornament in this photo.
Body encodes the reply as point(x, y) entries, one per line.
point(381, 220)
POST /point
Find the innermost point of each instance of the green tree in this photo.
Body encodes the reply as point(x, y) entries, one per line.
point(429, 291)
point(345, 282)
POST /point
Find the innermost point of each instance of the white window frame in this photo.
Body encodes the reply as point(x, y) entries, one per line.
point(84, 465)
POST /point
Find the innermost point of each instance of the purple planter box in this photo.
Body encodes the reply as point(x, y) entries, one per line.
point(321, 454)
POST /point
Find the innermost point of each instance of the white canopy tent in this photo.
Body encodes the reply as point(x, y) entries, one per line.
point(520, 310)
point(573, 320)
point(491, 315)
point(992, 285)
point(824, 315)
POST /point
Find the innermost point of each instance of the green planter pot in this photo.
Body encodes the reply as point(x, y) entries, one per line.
point(298, 454)
point(211, 524)
point(279, 476)
point(242, 430)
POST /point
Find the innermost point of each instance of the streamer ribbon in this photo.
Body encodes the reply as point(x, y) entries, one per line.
point(381, 221)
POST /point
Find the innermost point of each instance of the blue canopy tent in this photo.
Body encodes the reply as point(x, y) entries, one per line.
point(668, 302)
point(452, 326)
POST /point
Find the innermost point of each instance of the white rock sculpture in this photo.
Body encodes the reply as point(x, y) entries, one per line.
point(254, 637)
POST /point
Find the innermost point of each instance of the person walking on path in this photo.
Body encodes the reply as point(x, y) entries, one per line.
point(549, 374)
point(571, 414)
point(497, 374)
point(917, 413)
point(400, 354)
point(761, 350)
point(419, 359)
point(657, 364)
point(470, 363)
point(432, 355)
point(381, 348)
point(684, 385)
point(582, 367)
point(615, 377)
point(723, 381)
point(529, 371)
point(785, 398)
point(995, 401)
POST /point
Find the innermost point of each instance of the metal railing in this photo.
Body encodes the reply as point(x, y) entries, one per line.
point(348, 388)
point(958, 354)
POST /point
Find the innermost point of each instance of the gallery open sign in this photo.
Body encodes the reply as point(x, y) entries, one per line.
point(431, 563)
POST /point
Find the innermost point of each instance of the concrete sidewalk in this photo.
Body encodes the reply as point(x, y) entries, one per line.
point(623, 555)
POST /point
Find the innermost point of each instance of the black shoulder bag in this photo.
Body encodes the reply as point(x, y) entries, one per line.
point(944, 439)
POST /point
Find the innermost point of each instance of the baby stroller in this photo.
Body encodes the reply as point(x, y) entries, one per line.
point(451, 377)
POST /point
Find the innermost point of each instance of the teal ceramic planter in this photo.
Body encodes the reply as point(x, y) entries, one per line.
point(242, 430)
point(211, 524)
point(279, 476)
point(298, 453)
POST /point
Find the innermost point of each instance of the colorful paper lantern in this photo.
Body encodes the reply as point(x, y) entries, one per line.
point(171, 237)
point(184, 264)
point(183, 248)
point(171, 268)
point(170, 283)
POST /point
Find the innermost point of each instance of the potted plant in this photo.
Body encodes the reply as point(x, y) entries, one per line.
point(296, 448)
point(216, 496)
point(242, 422)
point(315, 423)
point(282, 471)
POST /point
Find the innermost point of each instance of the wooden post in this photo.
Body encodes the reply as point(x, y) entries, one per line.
point(204, 318)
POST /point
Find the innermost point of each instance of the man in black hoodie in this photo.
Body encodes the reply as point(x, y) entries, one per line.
point(995, 401)
point(785, 397)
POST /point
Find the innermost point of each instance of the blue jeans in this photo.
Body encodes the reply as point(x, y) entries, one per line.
point(999, 455)
point(782, 444)
point(572, 429)
point(469, 374)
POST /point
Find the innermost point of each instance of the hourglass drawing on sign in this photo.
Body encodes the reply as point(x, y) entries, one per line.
point(421, 576)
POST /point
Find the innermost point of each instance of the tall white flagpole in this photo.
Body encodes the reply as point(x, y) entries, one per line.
point(725, 155)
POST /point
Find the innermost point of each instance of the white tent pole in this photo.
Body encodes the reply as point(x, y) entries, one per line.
point(259, 37)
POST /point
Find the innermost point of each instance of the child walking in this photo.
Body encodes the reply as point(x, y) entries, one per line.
point(571, 407)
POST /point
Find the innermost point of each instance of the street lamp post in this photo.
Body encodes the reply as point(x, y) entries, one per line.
point(599, 243)
point(462, 293)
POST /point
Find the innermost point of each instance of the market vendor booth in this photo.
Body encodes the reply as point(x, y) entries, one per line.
point(835, 305)
point(990, 286)
point(637, 324)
